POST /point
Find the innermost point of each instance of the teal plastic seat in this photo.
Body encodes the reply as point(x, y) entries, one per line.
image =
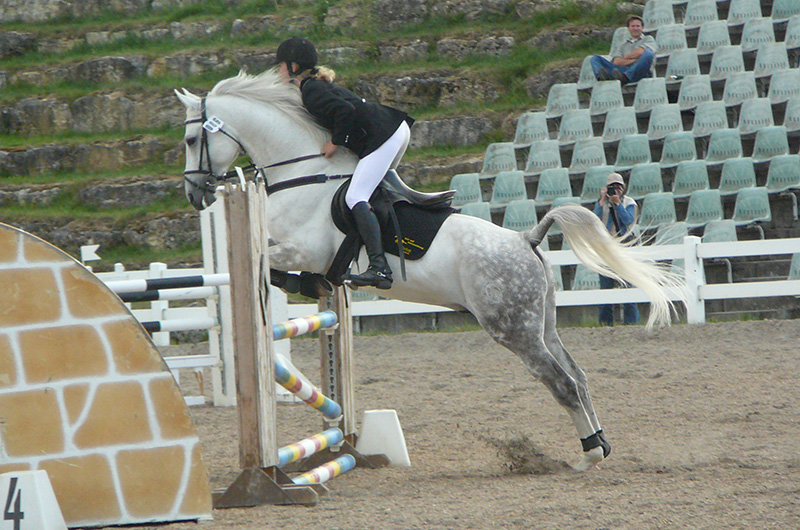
point(650, 91)
point(561, 98)
point(738, 88)
point(606, 95)
point(720, 231)
point(695, 89)
point(770, 142)
point(644, 179)
point(664, 119)
point(794, 268)
point(531, 126)
point(699, 12)
point(708, 117)
point(782, 10)
point(586, 78)
point(690, 176)
point(792, 36)
point(737, 173)
point(585, 278)
point(508, 186)
point(752, 206)
point(725, 61)
point(722, 145)
point(619, 122)
point(588, 152)
point(593, 181)
point(704, 206)
point(678, 146)
point(784, 85)
point(683, 63)
point(671, 234)
point(520, 215)
point(544, 154)
point(711, 36)
point(658, 209)
point(783, 173)
point(770, 58)
point(467, 187)
point(670, 38)
point(575, 124)
point(553, 183)
point(633, 149)
point(658, 13)
point(499, 157)
point(756, 32)
point(791, 117)
point(478, 209)
point(621, 34)
point(557, 277)
point(755, 114)
point(741, 11)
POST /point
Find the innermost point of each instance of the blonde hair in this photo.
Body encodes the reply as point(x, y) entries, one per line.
point(324, 73)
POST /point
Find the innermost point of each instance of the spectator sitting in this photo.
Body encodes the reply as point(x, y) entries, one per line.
point(631, 60)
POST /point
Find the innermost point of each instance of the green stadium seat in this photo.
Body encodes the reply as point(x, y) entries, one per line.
point(783, 85)
point(770, 142)
point(588, 152)
point(669, 39)
point(756, 32)
point(658, 209)
point(553, 183)
point(586, 78)
point(664, 119)
point(783, 173)
point(531, 126)
point(593, 181)
point(704, 206)
point(770, 58)
point(672, 234)
point(621, 34)
point(782, 10)
point(606, 95)
point(698, 12)
point(678, 146)
point(709, 116)
point(791, 117)
point(683, 63)
point(499, 157)
point(723, 144)
point(792, 36)
point(711, 36)
point(650, 91)
point(544, 154)
point(644, 179)
point(467, 187)
point(720, 231)
point(690, 176)
point(737, 173)
point(480, 210)
point(585, 279)
point(619, 122)
point(658, 13)
point(575, 124)
point(561, 98)
point(794, 267)
point(755, 114)
point(520, 215)
point(725, 61)
point(508, 186)
point(740, 87)
point(695, 89)
point(633, 149)
point(752, 206)
point(742, 11)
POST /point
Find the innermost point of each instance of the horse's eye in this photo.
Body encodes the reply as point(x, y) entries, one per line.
point(191, 141)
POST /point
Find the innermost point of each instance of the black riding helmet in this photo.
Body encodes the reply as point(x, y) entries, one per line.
point(297, 50)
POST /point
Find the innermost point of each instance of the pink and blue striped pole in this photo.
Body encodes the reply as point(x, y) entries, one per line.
point(309, 446)
point(308, 393)
point(325, 472)
point(302, 325)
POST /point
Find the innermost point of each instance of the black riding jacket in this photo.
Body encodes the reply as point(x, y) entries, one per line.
point(355, 123)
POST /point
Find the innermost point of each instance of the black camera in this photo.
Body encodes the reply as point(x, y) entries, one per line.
point(613, 190)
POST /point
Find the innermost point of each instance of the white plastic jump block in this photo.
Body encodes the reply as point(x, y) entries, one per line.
point(29, 502)
point(381, 434)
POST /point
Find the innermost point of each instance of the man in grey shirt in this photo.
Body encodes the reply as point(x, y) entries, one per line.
point(631, 60)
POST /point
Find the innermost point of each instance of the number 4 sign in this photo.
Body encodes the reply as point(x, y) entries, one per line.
point(28, 502)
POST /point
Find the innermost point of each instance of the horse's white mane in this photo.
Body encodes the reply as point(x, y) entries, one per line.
point(269, 88)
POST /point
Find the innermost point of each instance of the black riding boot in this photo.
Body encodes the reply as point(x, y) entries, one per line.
point(378, 274)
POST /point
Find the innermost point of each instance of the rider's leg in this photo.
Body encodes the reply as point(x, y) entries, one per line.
point(378, 274)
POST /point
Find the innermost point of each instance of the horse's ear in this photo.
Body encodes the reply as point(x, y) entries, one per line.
point(189, 100)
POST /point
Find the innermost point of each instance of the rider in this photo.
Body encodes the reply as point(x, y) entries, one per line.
point(378, 134)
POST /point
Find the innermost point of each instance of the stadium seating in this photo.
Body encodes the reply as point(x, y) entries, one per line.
point(740, 87)
point(508, 186)
point(468, 189)
point(770, 58)
point(699, 12)
point(588, 152)
point(711, 36)
point(725, 61)
point(644, 179)
point(690, 176)
point(720, 231)
point(531, 126)
point(695, 89)
point(770, 142)
point(782, 10)
point(633, 149)
point(585, 278)
point(704, 206)
point(737, 173)
point(755, 114)
point(683, 63)
point(575, 124)
point(553, 183)
point(678, 146)
point(650, 91)
point(783, 85)
point(752, 206)
point(723, 144)
point(708, 117)
point(561, 98)
point(619, 122)
point(670, 38)
point(757, 31)
point(672, 234)
point(658, 209)
point(543, 154)
point(794, 267)
point(520, 215)
point(480, 210)
point(664, 119)
point(594, 179)
point(499, 157)
point(791, 116)
point(742, 11)
point(606, 95)
point(783, 173)
point(658, 13)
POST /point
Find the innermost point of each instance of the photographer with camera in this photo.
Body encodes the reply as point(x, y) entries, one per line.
point(618, 213)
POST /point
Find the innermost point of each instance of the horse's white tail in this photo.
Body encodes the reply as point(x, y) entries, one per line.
point(607, 255)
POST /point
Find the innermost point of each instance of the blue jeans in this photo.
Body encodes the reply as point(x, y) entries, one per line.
point(630, 311)
point(633, 72)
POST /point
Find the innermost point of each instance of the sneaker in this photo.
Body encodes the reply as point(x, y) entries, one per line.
point(603, 75)
point(619, 76)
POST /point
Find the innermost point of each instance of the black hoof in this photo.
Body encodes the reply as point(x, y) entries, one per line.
point(314, 285)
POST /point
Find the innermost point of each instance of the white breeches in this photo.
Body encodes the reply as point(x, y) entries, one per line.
point(370, 170)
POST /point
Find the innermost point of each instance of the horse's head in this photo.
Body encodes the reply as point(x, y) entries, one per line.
point(209, 151)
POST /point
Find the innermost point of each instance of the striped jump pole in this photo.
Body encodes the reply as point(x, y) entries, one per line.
point(302, 325)
point(308, 393)
point(309, 446)
point(179, 324)
point(173, 282)
point(325, 472)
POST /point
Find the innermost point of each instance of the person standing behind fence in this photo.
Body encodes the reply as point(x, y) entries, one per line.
point(618, 213)
point(631, 60)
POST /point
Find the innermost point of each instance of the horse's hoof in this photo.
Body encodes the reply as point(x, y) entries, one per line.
point(589, 459)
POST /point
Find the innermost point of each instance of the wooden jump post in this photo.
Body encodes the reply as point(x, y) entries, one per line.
point(262, 481)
